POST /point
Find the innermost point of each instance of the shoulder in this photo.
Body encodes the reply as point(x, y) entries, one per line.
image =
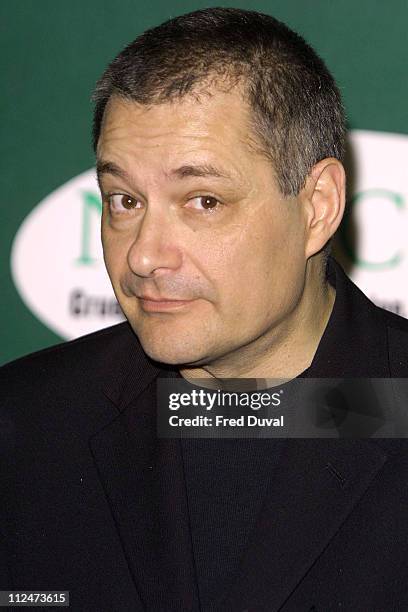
point(89, 357)
point(64, 392)
point(395, 322)
point(397, 337)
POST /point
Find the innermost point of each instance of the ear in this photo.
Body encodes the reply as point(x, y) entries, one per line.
point(324, 198)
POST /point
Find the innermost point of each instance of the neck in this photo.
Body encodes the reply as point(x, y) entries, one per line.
point(283, 352)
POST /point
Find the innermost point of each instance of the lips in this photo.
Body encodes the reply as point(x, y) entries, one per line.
point(149, 298)
point(149, 304)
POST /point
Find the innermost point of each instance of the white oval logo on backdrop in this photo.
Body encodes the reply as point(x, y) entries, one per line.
point(371, 242)
point(57, 261)
point(58, 269)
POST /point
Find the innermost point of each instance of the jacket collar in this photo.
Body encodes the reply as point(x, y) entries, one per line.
point(354, 343)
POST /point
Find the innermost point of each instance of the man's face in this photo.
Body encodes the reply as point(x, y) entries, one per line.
point(197, 216)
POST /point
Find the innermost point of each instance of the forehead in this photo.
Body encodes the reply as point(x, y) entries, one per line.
point(218, 123)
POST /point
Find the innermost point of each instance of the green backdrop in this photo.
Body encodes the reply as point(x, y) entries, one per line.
point(53, 51)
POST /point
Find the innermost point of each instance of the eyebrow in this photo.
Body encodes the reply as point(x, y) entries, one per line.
point(105, 167)
point(185, 171)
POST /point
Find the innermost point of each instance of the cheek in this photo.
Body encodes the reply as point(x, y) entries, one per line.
point(256, 269)
point(251, 252)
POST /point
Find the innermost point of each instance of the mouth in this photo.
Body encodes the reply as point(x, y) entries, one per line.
point(149, 305)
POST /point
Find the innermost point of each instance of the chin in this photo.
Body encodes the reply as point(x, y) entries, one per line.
point(173, 353)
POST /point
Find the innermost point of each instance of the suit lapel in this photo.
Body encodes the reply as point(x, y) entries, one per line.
point(316, 487)
point(143, 482)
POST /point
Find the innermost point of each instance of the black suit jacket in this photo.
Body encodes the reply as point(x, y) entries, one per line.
point(94, 503)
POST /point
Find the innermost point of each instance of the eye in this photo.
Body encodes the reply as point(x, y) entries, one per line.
point(120, 202)
point(207, 203)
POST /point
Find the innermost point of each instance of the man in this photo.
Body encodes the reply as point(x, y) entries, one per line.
point(219, 139)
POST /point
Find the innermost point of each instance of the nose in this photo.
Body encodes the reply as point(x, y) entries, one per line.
point(154, 249)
